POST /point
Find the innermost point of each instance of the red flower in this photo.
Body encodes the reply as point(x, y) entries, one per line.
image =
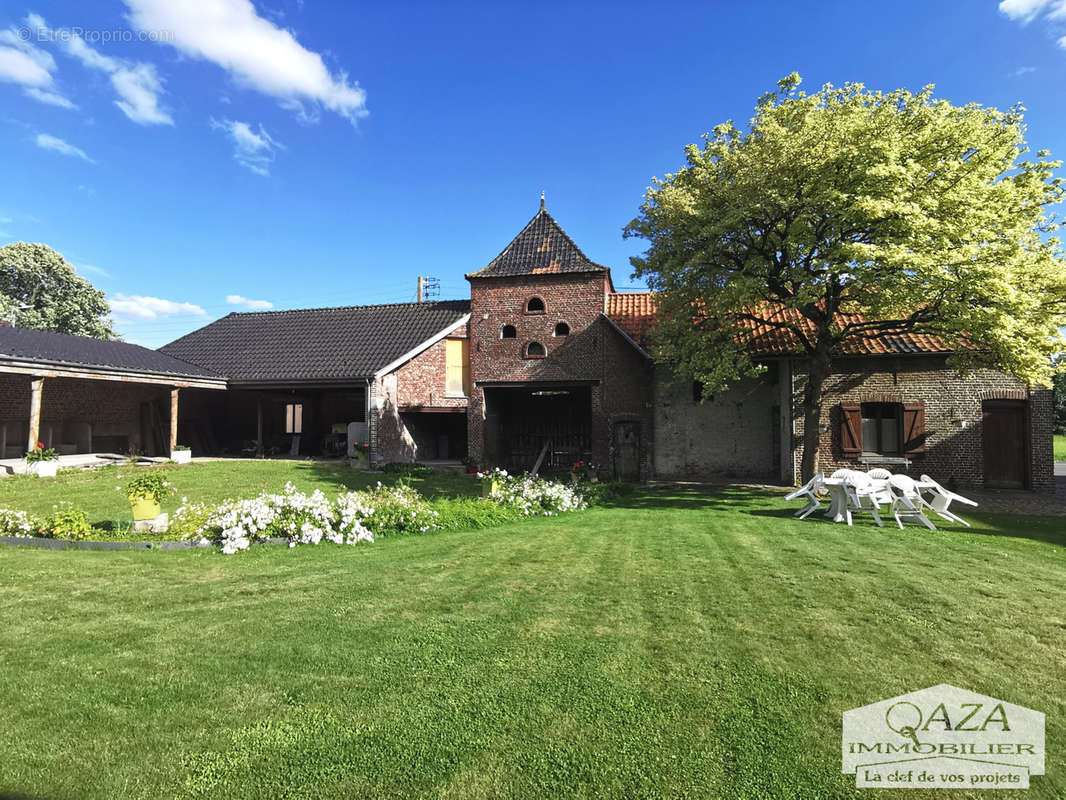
point(40, 445)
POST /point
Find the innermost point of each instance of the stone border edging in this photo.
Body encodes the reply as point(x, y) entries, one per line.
point(66, 544)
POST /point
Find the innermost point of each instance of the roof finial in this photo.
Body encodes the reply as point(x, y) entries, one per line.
point(541, 199)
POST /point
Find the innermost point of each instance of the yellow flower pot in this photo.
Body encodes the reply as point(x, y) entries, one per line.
point(488, 487)
point(145, 508)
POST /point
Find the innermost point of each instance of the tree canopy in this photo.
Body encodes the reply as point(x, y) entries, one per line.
point(39, 289)
point(862, 213)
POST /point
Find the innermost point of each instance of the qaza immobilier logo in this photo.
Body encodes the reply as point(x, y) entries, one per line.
point(943, 737)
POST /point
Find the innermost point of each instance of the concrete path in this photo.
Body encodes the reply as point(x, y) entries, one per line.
point(17, 466)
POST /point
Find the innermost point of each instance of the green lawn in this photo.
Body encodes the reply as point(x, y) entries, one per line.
point(1060, 448)
point(682, 644)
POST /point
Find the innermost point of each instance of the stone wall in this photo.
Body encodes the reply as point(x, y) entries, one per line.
point(735, 432)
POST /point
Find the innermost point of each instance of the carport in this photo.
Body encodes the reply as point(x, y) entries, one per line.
point(80, 395)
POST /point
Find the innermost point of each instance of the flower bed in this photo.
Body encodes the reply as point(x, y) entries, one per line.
point(532, 496)
point(299, 517)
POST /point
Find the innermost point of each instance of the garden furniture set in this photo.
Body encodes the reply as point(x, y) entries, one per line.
point(853, 492)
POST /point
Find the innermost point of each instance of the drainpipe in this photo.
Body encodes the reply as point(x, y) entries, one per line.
point(368, 402)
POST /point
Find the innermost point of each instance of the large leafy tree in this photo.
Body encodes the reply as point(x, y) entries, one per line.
point(854, 214)
point(40, 290)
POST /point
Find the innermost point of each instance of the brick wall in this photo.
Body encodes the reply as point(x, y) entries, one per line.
point(593, 353)
point(953, 416)
point(422, 381)
point(113, 408)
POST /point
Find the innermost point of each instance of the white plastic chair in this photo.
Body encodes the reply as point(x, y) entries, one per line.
point(862, 497)
point(883, 495)
point(942, 498)
point(907, 502)
point(808, 490)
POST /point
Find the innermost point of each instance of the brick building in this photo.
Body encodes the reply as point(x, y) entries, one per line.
point(547, 363)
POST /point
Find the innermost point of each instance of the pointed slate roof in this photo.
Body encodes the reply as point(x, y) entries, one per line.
point(542, 248)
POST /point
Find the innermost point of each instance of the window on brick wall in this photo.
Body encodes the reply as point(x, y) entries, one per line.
point(458, 367)
point(535, 350)
point(294, 418)
point(535, 306)
point(562, 329)
point(882, 428)
point(508, 332)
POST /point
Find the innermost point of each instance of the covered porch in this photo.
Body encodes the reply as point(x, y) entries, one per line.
point(275, 420)
point(79, 413)
point(547, 425)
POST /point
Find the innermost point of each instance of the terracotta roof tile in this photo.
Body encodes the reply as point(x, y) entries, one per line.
point(635, 314)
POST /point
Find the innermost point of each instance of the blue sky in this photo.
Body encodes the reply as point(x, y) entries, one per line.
point(190, 156)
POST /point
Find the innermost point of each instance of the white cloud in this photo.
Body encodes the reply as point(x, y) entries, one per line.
point(1026, 11)
point(30, 67)
point(1022, 71)
point(251, 149)
point(135, 306)
point(254, 51)
point(50, 98)
point(255, 305)
point(136, 83)
point(48, 142)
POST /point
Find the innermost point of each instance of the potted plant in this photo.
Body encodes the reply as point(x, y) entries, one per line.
point(42, 461)
point(491, 480)
point(145, 492)
point(471, 465)
point(181, 454)
point(362, 454)
point(582, 471)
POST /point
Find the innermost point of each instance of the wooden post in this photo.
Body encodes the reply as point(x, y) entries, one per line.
point(173, 419)
point(36, 388)
point(259, 427)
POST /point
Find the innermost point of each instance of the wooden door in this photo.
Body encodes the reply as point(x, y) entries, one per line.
point(627, 451)
point(1005, 450)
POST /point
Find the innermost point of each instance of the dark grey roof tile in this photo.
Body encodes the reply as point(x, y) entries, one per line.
point(315, 343)
point(61, 349)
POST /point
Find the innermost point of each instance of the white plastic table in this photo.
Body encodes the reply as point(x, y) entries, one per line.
point(838, 498)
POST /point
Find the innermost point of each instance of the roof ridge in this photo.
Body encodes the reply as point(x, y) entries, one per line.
point(341, 308)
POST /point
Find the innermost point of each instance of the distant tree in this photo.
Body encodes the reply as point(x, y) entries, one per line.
point(911, 212)
point(40, 290)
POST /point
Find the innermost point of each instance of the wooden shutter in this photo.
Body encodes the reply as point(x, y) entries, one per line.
point(851, 429)
point(913, 428)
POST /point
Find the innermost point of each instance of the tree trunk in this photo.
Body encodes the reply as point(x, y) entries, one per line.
point(818, 371)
